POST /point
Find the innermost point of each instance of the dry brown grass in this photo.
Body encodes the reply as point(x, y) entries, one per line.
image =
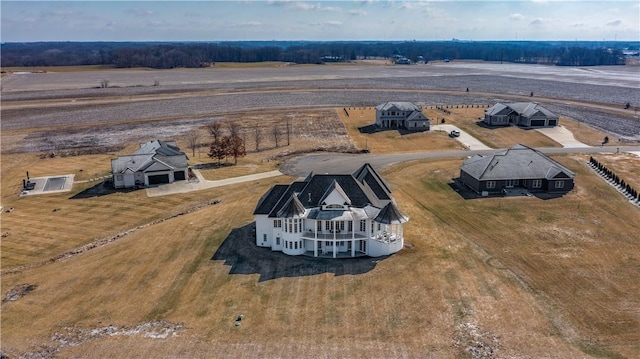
point(392, 141)
point(566, 267)
point(502, 137)
point(625, 165)
point(587, 134)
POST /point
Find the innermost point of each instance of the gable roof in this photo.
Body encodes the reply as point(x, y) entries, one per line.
point(363, 189)
point(524, 109)
point(518, 162)
point(397, 106)
point(151, 156)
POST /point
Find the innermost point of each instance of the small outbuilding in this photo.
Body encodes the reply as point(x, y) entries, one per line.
point(401, 115)
point(524, 114)
point(156, 162)
point(519, 166)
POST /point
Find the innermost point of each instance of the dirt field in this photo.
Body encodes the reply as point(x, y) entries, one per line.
point(100, 273)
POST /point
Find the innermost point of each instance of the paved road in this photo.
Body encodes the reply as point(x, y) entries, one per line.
point(347, 163)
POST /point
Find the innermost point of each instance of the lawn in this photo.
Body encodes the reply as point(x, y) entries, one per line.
point(472, 273)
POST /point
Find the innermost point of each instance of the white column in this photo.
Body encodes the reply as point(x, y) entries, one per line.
point(353, 247)
point(315, 246)
point(334, 239)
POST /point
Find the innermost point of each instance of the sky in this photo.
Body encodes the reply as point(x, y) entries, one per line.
point(320, 20)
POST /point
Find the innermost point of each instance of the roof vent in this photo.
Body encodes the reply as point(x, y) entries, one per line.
point(309, 196)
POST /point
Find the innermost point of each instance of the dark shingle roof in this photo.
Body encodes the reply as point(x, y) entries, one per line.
point(518, 162)
point(391, 214)
point(270, 199)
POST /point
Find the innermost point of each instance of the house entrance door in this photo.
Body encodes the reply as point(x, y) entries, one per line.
point(511, 183)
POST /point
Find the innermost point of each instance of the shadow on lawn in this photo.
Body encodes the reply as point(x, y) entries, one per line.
point(240, 252)
point(98, 190)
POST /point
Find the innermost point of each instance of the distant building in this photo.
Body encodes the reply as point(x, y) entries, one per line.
point(519, 166)
point(403, 61)
point(335, 216)
point(156, 162)
point(401, 115)
point(525, 114)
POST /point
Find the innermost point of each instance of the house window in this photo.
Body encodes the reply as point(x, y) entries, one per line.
point(559, 184)
point(536, 183)
point(295, 226)
point(277, 241)
point(491, 184)
point(363, 225)
point(286, 244)
point(350, 226)
point(296, 245)
point(118, 177)
point(277, 223)
point(340, 226)
point(290, 226)
point(319, 226)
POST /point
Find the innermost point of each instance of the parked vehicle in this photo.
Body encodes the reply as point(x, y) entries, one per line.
point(454, 133)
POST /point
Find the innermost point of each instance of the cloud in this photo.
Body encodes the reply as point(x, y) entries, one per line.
point(334, 23)
point(516, 17)
point(578, 24)
point(536, 22)
point(358, 12)
point(615, 23)
point(251, 23)
point(141, 12)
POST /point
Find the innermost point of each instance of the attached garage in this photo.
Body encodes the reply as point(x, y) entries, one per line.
point(537, 123)
point(159, 179)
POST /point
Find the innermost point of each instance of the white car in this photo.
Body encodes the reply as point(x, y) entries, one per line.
point(454, 133)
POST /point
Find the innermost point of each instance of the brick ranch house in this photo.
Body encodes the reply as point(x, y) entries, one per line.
point(519, 166)
point(401, 115)
point(524, 114)
point(156, 162)
point(331, 216)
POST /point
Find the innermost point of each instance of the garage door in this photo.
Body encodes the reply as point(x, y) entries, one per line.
point(537, 123)
point(178, 176)
point(553, 122)
point(157, 179)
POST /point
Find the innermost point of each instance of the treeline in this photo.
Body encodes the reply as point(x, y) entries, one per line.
point(196, 54)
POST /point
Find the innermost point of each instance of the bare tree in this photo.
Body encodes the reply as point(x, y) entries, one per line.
point(276, 133)
point(257, 132)
point(193, 137)
point(288, 131)
point(215, 130)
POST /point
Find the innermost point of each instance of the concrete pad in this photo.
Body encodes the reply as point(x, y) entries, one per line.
point(637, 153)
point(563, 136)
point(50, 184)
point(184, 187)
point(470, 142)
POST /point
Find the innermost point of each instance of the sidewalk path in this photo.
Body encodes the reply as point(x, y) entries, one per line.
point(466, 139)
point(562, 136)
point(184, 187)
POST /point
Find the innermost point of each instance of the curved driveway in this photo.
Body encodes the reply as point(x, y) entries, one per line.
point(347, 163)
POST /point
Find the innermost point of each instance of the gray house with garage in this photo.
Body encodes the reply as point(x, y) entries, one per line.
point(524, 114)
point(401, 115)
point(519, 166)
point(156, 162)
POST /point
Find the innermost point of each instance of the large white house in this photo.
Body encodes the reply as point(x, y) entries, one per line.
point(401, 115)
point(155, 162)
point(335, 216)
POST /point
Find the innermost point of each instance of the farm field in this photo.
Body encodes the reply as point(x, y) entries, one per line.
point(100, 273)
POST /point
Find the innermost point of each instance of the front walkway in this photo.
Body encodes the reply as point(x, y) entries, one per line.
point(470, 142)
point(184, 186)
